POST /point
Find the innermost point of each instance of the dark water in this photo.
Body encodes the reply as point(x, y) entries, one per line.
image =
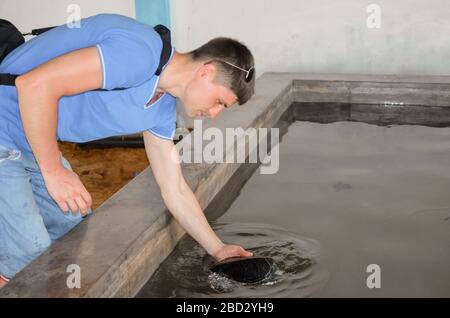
point(347, 195)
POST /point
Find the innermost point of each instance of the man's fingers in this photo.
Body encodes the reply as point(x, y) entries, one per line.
point(63, 205)
point(73, 206)
point(87, 198)
point(243, 252)
point(81, 204)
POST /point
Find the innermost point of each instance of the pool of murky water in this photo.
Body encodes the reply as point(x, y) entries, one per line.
point(355, 210)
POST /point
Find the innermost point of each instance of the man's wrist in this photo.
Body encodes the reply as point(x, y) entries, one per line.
point(51, 168)
point(216, 248)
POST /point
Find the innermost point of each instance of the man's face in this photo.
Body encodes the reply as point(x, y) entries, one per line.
point(205, 98)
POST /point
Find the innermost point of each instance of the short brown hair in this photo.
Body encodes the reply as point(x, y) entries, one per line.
point(234, 52)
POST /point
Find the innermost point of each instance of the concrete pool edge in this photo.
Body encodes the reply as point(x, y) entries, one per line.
point(116, 262)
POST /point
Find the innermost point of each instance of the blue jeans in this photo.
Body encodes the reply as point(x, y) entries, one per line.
point(30, 220)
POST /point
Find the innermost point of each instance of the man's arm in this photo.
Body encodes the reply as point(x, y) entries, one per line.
point(38, 93)
point(180, 199)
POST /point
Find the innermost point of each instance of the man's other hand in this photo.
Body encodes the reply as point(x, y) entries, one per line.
point(66, 188)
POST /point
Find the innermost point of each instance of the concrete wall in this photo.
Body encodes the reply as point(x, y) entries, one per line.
point(324, 35)
point(33, 14)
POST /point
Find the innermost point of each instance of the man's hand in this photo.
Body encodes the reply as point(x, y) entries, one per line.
point(228, 251)
point(65, 187)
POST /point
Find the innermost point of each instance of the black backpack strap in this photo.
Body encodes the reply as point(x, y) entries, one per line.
point(9, 79)
point(164, 33)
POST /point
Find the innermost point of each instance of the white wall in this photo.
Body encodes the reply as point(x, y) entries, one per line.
point(324, 36)
point(34, 14)
point(290, 35)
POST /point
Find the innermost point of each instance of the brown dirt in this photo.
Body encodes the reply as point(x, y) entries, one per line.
point(104, 171)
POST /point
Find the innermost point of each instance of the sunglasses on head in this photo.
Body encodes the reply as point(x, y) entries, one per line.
point(249, 72)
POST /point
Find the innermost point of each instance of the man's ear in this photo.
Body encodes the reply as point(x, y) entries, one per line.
point(208, 71)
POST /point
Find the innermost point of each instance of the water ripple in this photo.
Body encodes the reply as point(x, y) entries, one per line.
point(298, 274)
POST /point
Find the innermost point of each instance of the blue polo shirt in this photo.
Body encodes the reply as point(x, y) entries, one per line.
point(129, 52)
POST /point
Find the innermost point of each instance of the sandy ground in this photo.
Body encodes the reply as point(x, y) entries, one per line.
point(104, 171)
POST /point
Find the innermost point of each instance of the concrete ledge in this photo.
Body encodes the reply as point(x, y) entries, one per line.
point(120, 246)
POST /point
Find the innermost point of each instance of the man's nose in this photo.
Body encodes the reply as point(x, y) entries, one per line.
point(214, 111)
